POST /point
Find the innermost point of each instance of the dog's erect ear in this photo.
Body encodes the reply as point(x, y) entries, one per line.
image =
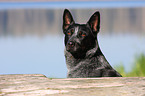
point(67, 19)
point(94, 22)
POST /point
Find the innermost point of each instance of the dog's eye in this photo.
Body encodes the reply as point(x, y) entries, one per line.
point(68, 33)
point(82, 34)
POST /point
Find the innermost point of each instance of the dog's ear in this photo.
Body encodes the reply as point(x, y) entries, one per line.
point(67, 19)
point(94, 22)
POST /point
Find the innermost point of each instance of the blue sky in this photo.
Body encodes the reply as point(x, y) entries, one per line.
point(70, 4)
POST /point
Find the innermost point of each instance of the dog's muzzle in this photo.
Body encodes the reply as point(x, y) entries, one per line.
point(71, 44)
point(71, 47)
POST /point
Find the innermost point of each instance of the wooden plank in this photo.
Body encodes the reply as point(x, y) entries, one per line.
point(39, 85)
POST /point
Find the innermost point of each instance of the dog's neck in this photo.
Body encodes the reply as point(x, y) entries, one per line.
point(72, 62)
point(90, 53)
point(93, 56)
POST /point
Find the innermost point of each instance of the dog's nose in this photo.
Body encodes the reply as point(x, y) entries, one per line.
point(71, 44)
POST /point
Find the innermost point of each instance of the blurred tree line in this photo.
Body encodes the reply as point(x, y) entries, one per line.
point(43, 21)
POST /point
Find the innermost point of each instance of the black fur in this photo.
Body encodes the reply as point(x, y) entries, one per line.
point(83, 55)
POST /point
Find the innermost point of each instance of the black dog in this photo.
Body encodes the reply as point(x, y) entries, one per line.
point(83, 55)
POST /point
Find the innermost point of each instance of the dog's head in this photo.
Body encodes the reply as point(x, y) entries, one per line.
point(79, 38)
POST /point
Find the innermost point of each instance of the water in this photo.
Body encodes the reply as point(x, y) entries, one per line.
point(31, 38)
point(32, 55)
point(122, 49)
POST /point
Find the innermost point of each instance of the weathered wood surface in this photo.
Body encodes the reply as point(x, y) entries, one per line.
point(39, 85)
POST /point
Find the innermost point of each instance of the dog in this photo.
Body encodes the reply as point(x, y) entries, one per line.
point(84, 58)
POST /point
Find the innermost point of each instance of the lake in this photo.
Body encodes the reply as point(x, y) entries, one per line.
point(31, 38)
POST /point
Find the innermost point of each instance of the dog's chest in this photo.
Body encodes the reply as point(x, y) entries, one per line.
point(81, 68)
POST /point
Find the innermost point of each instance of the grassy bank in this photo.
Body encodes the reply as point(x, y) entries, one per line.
point(138, 69)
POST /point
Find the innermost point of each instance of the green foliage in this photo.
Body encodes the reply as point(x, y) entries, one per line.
point(138, 69)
